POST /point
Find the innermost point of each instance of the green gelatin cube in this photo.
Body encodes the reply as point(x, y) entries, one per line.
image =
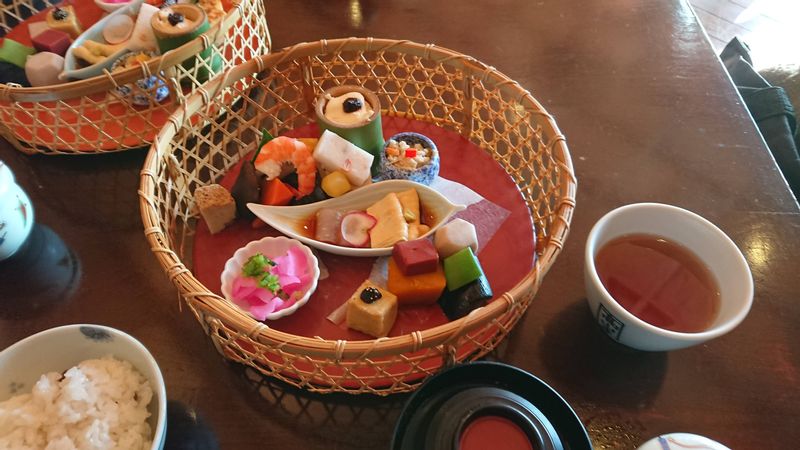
point(15, 53)
point(461, 268)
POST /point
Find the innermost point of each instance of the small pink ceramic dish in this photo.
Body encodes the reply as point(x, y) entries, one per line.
point(292, 266)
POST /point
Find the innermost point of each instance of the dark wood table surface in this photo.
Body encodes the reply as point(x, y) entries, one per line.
point(649, 115)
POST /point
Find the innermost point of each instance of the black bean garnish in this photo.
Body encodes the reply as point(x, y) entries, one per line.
point(352, 104)
point(370, 295)
point(175, 18)
point(60, 14)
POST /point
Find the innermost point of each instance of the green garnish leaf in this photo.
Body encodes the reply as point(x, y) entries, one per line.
point(270, 281)
point(265, 137)
point(256, 265)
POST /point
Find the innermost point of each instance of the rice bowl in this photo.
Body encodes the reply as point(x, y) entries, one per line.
point(81, 386)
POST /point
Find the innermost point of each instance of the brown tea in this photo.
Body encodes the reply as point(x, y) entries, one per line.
point(660, 282)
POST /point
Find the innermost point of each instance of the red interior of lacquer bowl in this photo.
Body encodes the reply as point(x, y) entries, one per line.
point(506, 259)
point(135, 128)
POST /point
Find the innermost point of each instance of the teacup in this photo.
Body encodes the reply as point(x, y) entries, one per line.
point(16, 214)
point(716, 250)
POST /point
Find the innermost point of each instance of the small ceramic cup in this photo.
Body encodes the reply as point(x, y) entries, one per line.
point(369, 136)
point(425, 174)
point(16, 214)
point(716, 250)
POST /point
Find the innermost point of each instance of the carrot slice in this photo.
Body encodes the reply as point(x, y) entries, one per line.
point(276, 193)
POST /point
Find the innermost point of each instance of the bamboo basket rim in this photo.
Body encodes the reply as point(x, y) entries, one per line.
point(189, 286)
point(108, 80)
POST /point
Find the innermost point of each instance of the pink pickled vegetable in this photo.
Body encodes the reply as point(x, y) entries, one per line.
point(292, 273)
point(355, 228)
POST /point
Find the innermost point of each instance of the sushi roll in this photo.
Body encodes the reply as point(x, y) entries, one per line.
point(410, 156)
point(354, 113)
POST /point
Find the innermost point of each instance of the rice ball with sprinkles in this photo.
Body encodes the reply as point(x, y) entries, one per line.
point(100, 404)
point(410, 156)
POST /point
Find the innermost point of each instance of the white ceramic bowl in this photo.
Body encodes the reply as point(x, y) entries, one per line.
point(271, 247)
point(58, 349)
point(681, 441)
point(706, 241)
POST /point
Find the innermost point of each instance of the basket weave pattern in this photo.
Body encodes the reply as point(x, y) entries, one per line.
point(276, 92)
point(95, 116)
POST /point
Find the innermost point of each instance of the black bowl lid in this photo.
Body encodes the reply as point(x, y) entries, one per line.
point(437, 414)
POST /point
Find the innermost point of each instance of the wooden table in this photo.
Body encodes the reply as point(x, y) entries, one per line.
point(649, 115)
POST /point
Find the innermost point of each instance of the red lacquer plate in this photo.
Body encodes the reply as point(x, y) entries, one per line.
point(506, 259)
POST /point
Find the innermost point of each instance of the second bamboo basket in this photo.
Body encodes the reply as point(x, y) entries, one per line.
point(92, 116)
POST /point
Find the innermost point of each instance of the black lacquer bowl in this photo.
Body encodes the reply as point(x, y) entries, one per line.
point(437, 415)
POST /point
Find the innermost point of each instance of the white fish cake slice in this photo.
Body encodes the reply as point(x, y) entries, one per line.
point(336, 153)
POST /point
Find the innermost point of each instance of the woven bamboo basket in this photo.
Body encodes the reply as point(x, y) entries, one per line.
point(92, 116)
point(424, 82)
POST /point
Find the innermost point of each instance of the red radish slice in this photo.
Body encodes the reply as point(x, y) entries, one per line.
point(355, 228)
point(118, 29)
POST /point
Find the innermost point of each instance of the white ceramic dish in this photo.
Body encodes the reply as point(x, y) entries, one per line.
point(271, 247)
point(58, 349)
point(706, 241)
point(681, 441)
point(290, 219)
point(111, 7)
point(72, 69)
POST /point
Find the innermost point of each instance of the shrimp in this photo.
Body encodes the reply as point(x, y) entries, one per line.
point(282, 150)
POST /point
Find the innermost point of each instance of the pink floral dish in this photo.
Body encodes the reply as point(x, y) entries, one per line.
point(270, 278)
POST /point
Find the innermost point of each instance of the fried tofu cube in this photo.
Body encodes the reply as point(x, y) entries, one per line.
point(216, 205)
point(64, 19)
point(371, 310)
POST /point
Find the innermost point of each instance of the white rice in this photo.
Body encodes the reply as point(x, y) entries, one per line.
point(101, 404)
